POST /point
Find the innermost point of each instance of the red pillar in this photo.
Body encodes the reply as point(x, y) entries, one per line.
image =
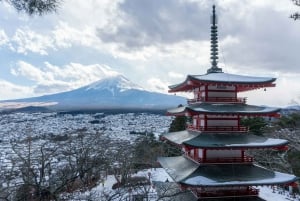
point(206, 92)
point(204, 155)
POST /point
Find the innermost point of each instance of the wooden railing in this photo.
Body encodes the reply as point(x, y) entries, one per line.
point(217, 99)
point(218, 128)
point(227, 193)
point(245, 159)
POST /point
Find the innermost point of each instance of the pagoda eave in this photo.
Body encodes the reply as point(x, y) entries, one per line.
point(204, 140)
point(189, 173)
point(281, 147)
point(242, 83)
point(224, 109)
point(232, 184)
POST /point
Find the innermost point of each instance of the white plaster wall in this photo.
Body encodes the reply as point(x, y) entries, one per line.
point(222, 122)
point(202, 122)
point(229, 88)
point(200, 153)
point(225, 188)
point(223, 153)
point(222, 116)
point(194, 122)
point(221, 94)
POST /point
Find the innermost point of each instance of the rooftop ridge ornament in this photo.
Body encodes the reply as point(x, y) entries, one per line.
point(214, 44)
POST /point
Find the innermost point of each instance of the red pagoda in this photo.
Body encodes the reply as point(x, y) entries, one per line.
point(214, 164)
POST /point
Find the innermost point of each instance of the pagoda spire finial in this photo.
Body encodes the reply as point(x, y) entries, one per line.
point(214, 44)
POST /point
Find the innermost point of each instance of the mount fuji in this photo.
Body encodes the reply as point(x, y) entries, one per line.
point(114, 92)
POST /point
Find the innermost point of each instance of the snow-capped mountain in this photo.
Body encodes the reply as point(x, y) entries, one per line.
point(117, 83)
point(109, 93)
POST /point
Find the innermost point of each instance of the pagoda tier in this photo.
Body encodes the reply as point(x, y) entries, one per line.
point(221, 117)
point(239, 83)
point(224, 109)
point(220, 87)
point(221, 148)
point(194, 139)
point(189, 173)
point(221, 180)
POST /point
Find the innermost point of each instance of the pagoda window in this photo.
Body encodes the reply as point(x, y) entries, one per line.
point(192, 152)
point(200, 153)
point(196, 93)
point(195, 122)
point(202, 123)
point(200, 157)
point(196, 154)
point(199, 94)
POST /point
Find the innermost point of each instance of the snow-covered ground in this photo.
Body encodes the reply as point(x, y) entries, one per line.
point(44, 126)
point(40, 125)
point(159, 174)
point(270, 194)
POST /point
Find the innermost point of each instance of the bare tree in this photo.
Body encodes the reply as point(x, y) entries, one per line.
point(295, 15)
point(47, 170)
point(287, 127)
point(35, 165)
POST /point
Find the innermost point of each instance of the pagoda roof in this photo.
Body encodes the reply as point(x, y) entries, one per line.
point(224, 108)
point(189, 173)
point(243, 82)
point(217, 141)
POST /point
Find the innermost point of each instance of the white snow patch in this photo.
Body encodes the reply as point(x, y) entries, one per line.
point(110, 83)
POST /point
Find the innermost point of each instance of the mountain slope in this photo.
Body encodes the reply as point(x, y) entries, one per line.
point(111, 92)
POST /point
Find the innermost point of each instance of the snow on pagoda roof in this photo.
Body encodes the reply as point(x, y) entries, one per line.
point(223, 78)
point(183, 170)
point(232, 78)
point(226, 108)
point(228, 140)
point(178, 167)
point(180, 136)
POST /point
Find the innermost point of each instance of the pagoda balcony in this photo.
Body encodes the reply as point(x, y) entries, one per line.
point(217, 100)
point(244, 159)
point(218, 128)
point(250, 191)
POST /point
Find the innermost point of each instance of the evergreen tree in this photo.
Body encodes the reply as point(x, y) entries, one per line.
point(178, 124)
point(256, 125)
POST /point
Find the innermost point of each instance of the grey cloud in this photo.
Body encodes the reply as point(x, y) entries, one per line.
point(149, 22)
point(268, 40)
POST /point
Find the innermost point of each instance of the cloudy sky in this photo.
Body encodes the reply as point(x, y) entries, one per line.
point(154, 43)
